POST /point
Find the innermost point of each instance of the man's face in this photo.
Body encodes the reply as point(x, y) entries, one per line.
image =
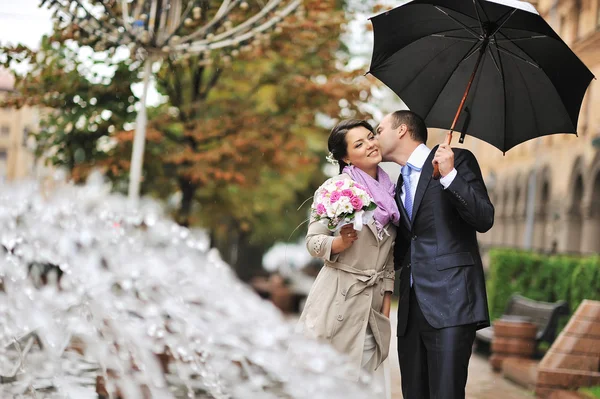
point(388, 137)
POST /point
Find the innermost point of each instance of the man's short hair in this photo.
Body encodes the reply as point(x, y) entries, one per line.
point(415, 124)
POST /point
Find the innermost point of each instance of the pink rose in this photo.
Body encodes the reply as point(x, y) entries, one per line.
point(347, 193)
point(321, 209)
point(357, 203)
point(334, 197)
point(339, 184)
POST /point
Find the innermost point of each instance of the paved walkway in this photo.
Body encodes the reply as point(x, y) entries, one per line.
point(482, 383)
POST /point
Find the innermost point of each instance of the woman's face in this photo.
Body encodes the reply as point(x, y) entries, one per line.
point(363, 148)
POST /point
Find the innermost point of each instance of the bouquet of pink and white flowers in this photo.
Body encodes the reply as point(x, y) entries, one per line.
point(342, 202)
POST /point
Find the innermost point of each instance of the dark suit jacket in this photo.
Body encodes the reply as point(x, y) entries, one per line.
point(440, 246)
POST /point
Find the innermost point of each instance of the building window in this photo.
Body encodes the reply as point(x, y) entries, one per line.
point(5, 130)
point(25, 138)
point(3, 157)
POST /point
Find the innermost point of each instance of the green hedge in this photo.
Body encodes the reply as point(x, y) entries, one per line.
point(592, 392)
point(541, 277)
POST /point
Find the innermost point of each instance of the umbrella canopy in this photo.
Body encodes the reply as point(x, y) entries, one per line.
point(524, 81)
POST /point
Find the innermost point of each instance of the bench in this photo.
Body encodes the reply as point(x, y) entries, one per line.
point(545, 315)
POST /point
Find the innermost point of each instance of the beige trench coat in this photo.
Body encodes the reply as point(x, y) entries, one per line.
point(348, 292)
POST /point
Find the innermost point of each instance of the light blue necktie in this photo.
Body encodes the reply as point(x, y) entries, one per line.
point(408, 200)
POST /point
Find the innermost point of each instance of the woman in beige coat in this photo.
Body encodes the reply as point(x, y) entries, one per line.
point(349, 303)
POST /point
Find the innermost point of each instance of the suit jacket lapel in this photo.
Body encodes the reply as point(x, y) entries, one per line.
point(426, 174)
point(403, 214)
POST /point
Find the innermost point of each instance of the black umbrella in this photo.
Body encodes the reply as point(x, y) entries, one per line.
point(522, 81)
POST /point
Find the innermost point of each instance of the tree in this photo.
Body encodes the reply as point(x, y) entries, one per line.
point(242, 141)
point(237, 139)
point(82, 106)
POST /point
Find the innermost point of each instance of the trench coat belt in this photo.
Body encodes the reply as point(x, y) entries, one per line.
point(364, 278)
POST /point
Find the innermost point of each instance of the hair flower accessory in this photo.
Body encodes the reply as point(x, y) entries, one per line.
point(331, 159)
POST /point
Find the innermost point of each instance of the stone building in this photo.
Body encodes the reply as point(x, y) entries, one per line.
point(547, 191)
point(16, 157)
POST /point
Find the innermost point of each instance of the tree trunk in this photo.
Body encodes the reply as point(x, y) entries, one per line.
point(188, 190)
point(236, 248)
point(248, 262)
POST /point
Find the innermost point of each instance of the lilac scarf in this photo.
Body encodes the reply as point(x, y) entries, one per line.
point(382, 190)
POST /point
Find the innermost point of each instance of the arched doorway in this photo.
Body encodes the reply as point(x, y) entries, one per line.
point(571, 234)
point(508, 214)
point(499, 200)
point(520, 209)
point(590, 240)
point(542, 211)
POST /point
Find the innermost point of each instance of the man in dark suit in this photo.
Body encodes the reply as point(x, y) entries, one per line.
point(442, 288)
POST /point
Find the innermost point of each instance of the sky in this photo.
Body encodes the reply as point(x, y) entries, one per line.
point(22, 21)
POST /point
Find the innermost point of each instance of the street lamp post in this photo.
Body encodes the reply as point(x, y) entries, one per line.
point(168, 28)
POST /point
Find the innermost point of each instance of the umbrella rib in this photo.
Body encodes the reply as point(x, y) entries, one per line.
point(518, 39)
point(537, 126)
point(469, 29)
point(495, 62)
point(504, 97)
point(517, 46)
point(487, 17)
point(472, 51)
point(504, 20)
point(506, 51)
point(478, 16)
point(464, 39)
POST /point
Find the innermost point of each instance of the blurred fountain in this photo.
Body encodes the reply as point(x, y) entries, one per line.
point(100, 299)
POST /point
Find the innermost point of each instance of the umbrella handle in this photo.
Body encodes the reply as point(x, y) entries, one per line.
point(436, 168)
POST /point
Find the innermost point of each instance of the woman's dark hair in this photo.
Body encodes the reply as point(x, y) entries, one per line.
point(337, 139)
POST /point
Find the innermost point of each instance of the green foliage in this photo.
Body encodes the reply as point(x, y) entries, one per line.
point(81, 108)
point(585, 281)
point(541, 277)
point(592, 392)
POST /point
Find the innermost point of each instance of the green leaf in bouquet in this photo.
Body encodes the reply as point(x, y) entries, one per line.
point(371, 207)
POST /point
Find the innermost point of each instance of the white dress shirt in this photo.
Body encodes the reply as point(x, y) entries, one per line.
point(417, 159)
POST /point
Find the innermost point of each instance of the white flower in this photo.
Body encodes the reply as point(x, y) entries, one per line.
point(343, 201)
point(347, 207)
point(365, 198)
point(330, 211)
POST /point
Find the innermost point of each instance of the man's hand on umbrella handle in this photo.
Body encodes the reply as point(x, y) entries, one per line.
point(437, 175)
point(444, 159)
